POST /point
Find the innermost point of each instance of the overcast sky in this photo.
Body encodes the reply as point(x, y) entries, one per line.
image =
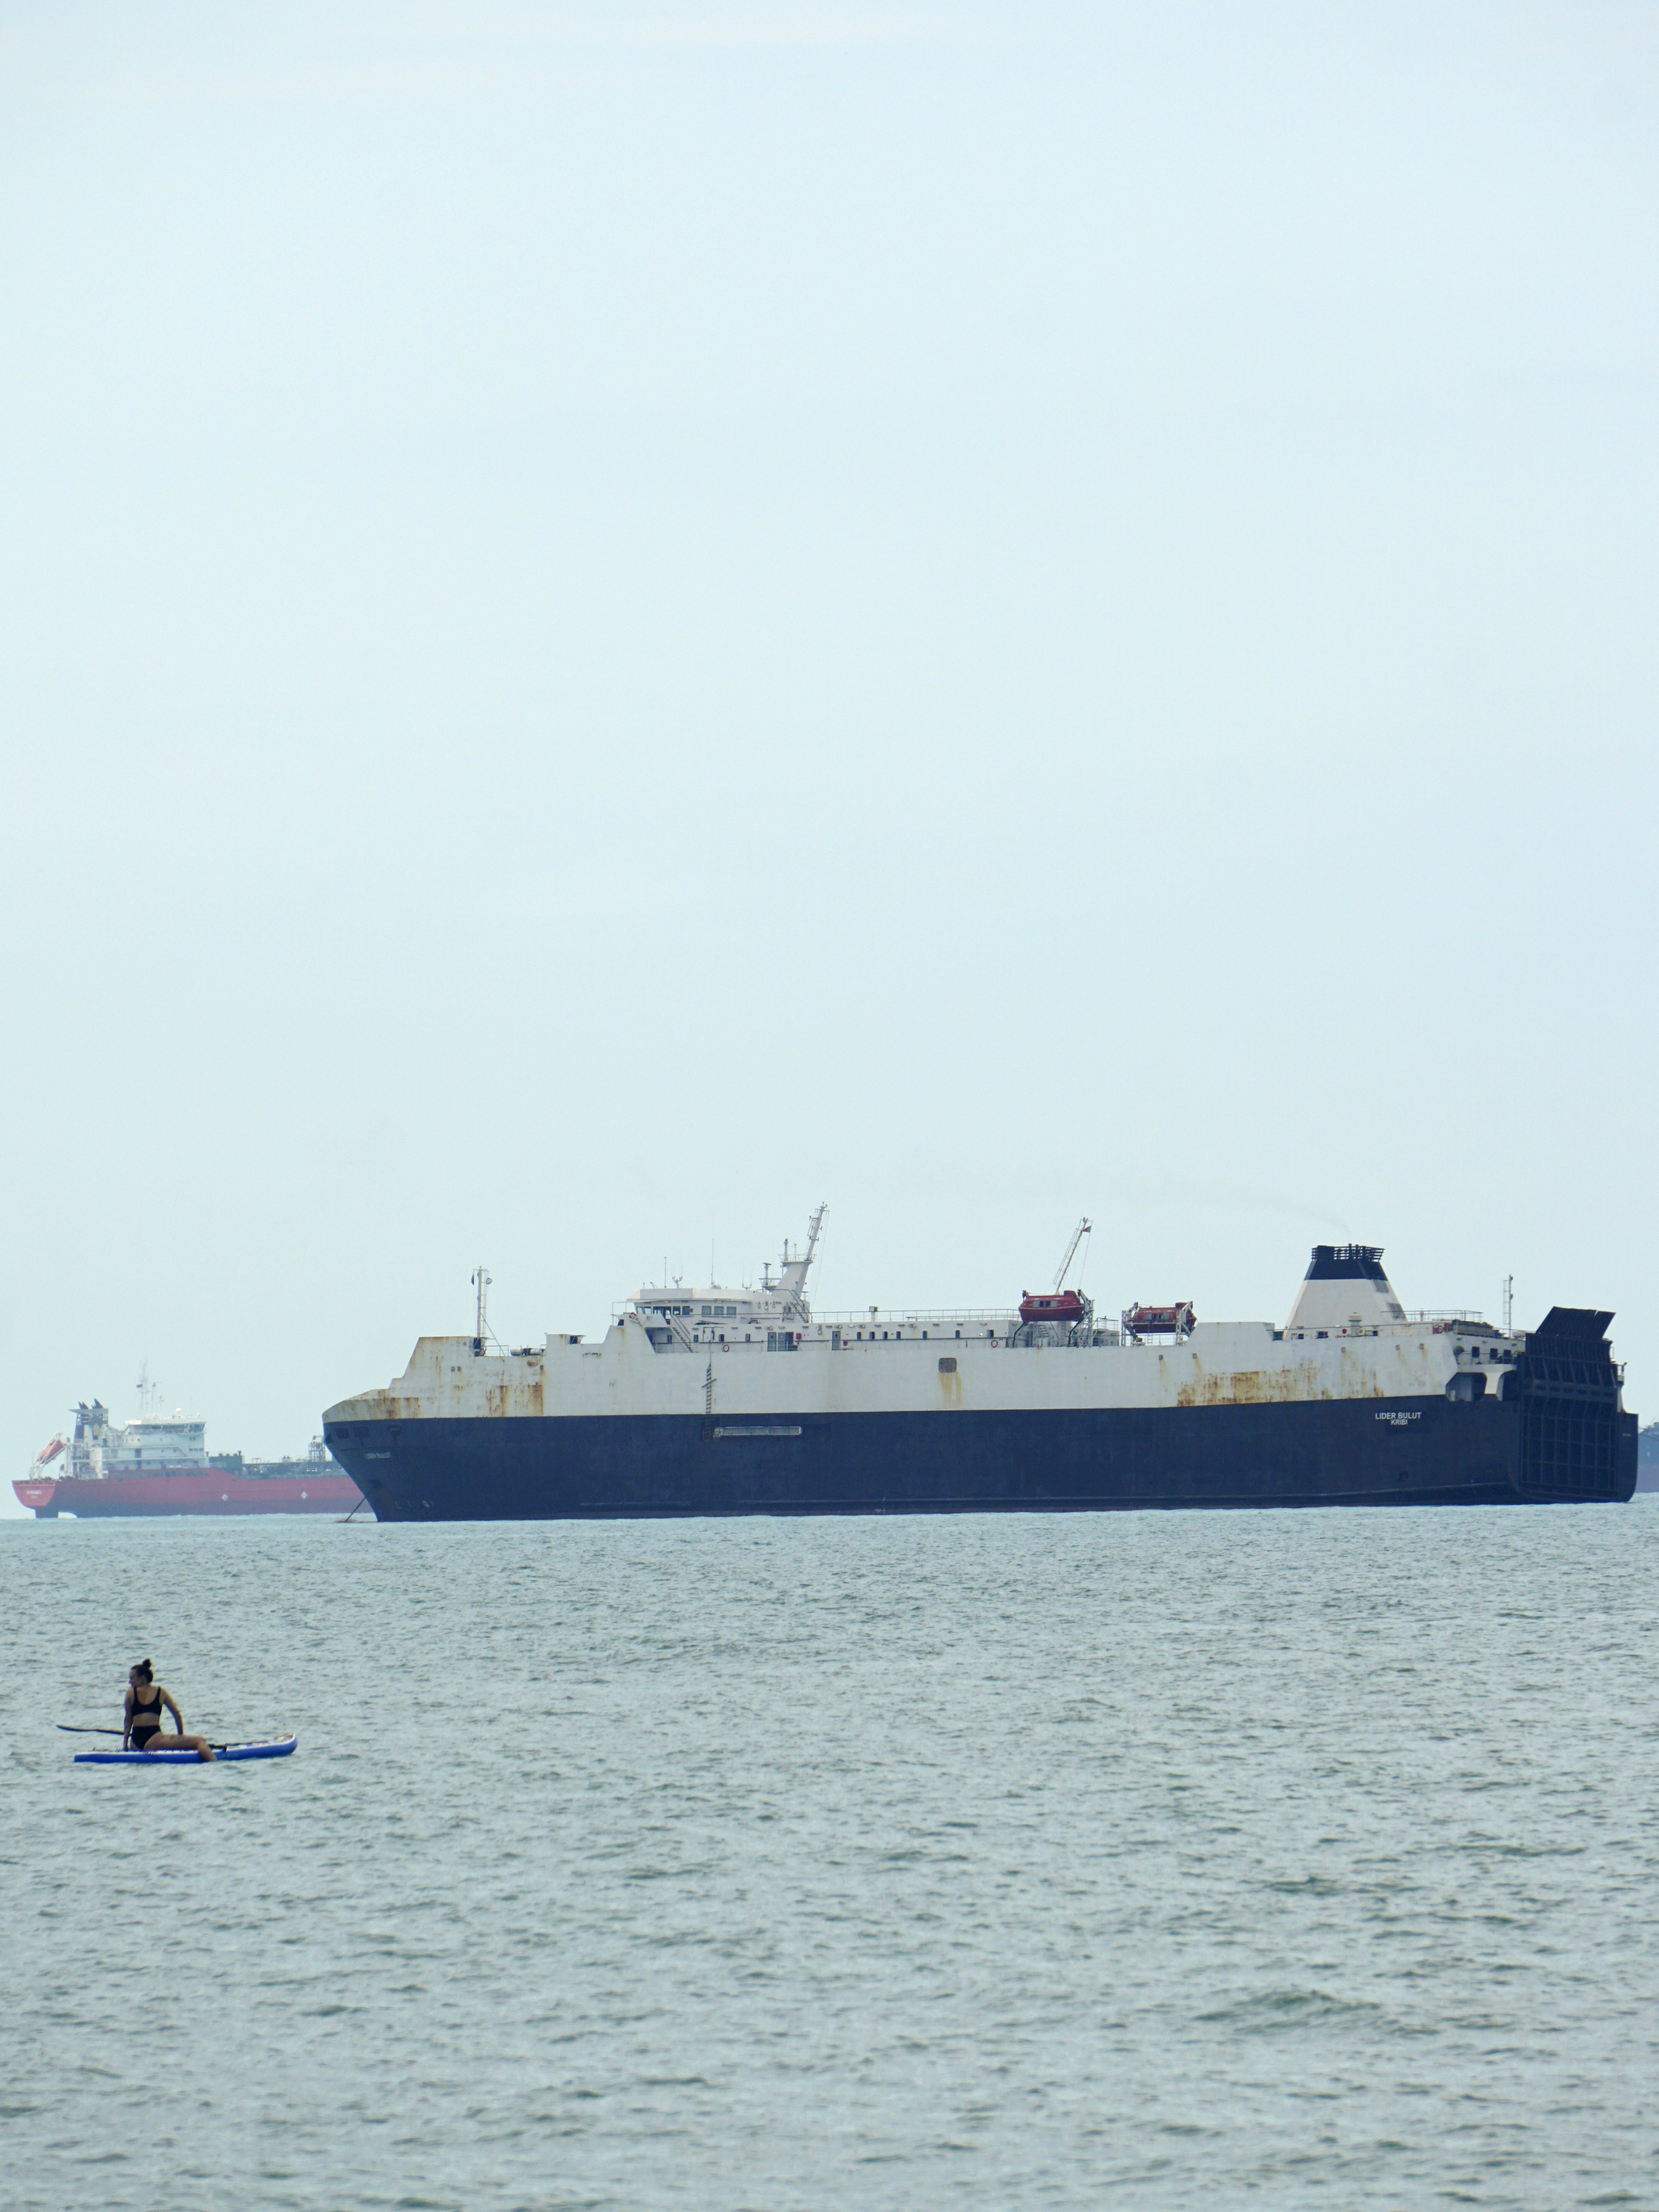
point(614, 621)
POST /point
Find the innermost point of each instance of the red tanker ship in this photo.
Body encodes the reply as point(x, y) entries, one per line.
point(156, 1465)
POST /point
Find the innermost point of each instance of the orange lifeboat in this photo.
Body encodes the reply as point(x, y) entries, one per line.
point(1160, 1321)
point(1063, 1308)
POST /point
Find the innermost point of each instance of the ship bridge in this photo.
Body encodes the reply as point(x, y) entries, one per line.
point(680, 1320)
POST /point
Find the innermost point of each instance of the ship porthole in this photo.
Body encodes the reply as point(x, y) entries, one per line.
point(224, 1498)
point(305, 1494)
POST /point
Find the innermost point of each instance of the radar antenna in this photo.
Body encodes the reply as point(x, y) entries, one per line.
point(148, 1391)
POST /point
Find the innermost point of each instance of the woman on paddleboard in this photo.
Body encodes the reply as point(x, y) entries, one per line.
point(143, 1715)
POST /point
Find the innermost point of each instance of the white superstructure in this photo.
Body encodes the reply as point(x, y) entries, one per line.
point(148, 1444)
point(713, 1351)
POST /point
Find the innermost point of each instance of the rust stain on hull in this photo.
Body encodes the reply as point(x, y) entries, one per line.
point(1268, 1386)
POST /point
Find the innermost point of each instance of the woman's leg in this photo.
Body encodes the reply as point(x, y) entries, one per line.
point(198, 1744)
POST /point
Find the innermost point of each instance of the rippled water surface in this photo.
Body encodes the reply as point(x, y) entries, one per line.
point(1164, 1860)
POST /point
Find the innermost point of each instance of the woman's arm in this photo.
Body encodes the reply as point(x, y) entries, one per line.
point(126, 1720)
point(177, 1717)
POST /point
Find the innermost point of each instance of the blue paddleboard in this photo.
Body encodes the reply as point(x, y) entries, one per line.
point(278, 1747)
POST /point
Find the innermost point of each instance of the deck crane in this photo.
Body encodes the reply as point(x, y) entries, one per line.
point(1078, 1235)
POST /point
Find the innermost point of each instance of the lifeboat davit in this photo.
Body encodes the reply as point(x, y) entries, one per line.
point(1063, 1307)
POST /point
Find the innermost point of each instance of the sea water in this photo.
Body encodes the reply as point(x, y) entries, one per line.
point(1158, 1859)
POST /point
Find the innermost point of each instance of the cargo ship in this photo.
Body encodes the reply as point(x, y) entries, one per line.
point(716, 1401)
point(160, 1465)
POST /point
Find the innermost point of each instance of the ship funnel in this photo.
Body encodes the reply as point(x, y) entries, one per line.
point(1344, 1288)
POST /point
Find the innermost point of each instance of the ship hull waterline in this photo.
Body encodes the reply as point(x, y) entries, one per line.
point(1407, 1451)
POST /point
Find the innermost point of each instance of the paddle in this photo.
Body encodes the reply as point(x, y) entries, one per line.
point(69, 1728)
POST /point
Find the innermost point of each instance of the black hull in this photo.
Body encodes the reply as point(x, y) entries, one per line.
point(1397, 1451)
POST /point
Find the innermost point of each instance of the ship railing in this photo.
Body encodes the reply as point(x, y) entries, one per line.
point(998, 1317)
point(1443, 1313)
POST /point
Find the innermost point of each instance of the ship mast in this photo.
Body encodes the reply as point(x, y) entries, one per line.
point(481, 1283)
point(792, 1275)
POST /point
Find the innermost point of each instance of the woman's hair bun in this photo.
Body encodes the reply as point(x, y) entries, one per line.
point(144, 1669)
